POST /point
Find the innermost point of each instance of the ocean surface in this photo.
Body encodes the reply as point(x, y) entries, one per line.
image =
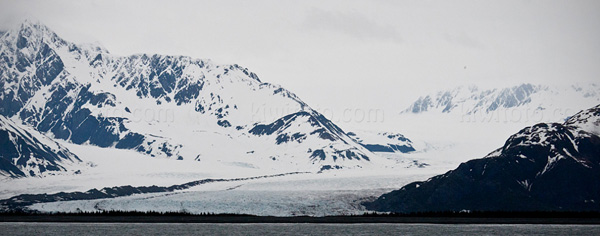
point(106, 229)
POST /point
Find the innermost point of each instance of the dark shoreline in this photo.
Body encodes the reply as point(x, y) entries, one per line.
point(300, 219)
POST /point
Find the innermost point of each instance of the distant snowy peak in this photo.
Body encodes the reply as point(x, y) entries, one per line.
point(478, 100)
point(470, 100)
point(28, 153)
point(383, 141)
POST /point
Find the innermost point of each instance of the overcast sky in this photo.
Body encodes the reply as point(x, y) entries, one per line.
point(381, 54)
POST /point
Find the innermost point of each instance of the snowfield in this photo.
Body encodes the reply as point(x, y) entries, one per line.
point(326, 193)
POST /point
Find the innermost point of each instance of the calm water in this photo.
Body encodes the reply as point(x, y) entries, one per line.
point(106, 229)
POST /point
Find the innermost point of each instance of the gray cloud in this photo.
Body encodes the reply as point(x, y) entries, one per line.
point(350, 24)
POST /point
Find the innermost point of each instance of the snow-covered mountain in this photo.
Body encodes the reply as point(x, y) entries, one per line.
point(541, 102)
point(383, 141)
point(164, 106)
point(25, 152)
point(545, 167)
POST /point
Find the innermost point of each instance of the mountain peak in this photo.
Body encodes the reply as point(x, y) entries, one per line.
point(31, 23)
point(34, 26)
point(32, 33)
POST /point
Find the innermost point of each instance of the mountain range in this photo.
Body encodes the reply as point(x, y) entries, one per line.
point(163, 106)
point(79, 125)
point(536, 102)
